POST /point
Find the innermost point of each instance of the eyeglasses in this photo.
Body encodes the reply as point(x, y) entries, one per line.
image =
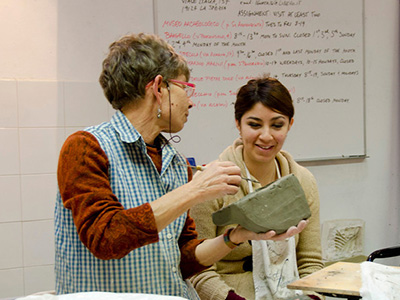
point(187, 86)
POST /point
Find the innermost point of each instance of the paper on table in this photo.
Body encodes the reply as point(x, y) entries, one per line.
point(379, 282)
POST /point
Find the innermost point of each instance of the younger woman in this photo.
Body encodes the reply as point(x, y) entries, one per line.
point(260, 269)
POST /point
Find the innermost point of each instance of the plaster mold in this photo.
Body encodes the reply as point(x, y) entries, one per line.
point(342, 239)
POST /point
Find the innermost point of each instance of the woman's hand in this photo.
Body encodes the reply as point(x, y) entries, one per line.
point(216, 180)
point(240, 234)
point(211, 250)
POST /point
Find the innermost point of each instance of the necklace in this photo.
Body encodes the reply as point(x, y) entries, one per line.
point(278, 173)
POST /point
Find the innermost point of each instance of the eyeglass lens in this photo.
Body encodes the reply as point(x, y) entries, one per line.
point(189, 91)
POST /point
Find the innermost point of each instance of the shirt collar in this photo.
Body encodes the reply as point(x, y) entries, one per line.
point(129, 134)
point(125, 129)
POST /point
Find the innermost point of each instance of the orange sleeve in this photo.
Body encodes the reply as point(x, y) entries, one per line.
point(104, 226)
point(187, 243)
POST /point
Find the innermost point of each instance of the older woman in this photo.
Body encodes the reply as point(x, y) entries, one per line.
point(260, 270)
point(121, 217)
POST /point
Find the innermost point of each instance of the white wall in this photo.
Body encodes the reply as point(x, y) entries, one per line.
point(51, 53)
point(370, 189)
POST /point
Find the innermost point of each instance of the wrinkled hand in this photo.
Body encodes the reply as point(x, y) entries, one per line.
point(217, 180)
point(240, 234)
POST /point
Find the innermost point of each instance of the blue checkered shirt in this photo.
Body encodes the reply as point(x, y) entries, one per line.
point(134, 179)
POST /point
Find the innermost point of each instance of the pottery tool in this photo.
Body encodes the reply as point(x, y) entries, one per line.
point(202, 168)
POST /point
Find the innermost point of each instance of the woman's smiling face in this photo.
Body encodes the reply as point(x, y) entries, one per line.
point(263, 132)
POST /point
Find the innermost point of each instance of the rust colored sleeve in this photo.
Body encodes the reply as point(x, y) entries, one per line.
point(104, 226)
point(187, 243)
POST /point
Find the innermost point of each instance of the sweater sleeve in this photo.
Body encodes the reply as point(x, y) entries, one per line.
point(308, 249)
point(107, 229)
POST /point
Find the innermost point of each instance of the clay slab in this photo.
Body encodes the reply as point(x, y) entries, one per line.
point(276, 206)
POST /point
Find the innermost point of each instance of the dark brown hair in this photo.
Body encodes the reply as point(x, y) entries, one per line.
point(269, 92)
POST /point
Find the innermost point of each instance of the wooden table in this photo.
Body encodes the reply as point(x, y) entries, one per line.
point(341, 279)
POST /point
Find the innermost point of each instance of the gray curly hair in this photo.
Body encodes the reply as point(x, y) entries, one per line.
point(135, 60)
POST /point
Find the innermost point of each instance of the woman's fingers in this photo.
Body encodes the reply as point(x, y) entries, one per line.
point(270, 235)
point(293, 230)
point(218, 179)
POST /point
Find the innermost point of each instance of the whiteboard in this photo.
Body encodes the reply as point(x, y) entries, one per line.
point(314, 47)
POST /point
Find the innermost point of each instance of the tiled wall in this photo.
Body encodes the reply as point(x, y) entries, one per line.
point(35, 118)
point(51, 54)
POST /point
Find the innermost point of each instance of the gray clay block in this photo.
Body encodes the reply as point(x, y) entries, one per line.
point(276, 206)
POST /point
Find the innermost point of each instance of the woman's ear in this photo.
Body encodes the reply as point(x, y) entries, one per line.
point(238, 126)
point(290, 123)
point(158, 80)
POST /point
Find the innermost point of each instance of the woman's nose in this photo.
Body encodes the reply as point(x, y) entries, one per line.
point(266, 135)
point(190, 103)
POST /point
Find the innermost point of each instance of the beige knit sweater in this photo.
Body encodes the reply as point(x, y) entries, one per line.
point(228, 274)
